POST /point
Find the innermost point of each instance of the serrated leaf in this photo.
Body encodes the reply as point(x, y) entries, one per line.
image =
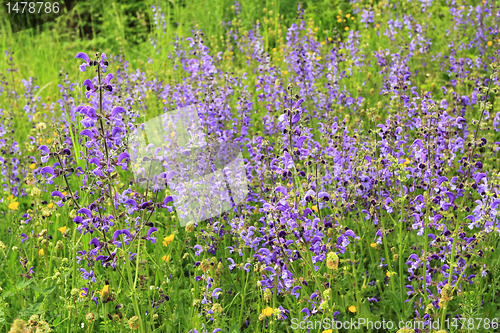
point(49, 290)
point(31, 310)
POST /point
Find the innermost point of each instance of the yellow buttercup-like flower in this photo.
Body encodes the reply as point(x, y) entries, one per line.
point(63, 229)
point(327, 331)
point(14, 205)
point(166, 258)
point(50, 205)
point(40, 252)
point(33, 166)
point(268, 312)
point(167, 240)
point(352, 308)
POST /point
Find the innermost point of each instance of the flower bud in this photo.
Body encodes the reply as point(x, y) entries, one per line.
point(133, 323)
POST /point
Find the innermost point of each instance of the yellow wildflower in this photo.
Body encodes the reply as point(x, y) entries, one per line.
point(374, 245)
point(315, 208)
point(63, 229)
point(50, 205)
point(327, 331)
point(346, 28)
point(14, 205)
point(268, 311)
point(167, 240)
point(49, 140)
point(33, 166)
point(40, 252)
point(348, 15)
point(166, 258)
point(489, 43)
point(352, 308)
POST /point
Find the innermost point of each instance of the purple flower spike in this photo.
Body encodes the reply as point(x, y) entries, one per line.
point(108, 78)
point(117, 110)
point(88, 133)
point(47, 170)
point(85, 211)
point(45, 149)
point(167, 200)
point(57, 194)
point(123, 156)
point(84, 57)
point(478, 177)
point(324, 196)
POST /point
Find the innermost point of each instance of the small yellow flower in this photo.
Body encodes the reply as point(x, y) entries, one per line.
point(374, 245)
point(33, 166)
point(172, 135)
point(14, 205)
point(315, 29)
point(489, 43)
point(352, 18)
point(164, 101)
point(329, 38)
point(318, 58)
point(64, 193)
point(286, 72)
point(352, 308)
point(50, 205)
point(49, 140)
point(63, 229)
point(105, 290)
point(377, 25)
point(346, 28)
point(407, 161)
point(40, 252)
point(315, 208)
point(83, 293)
point(167, 240)
point(322, 43)
point(327, 331)
point(268, 311)
point(339, 20)
point(348, 15)
point(166, 258)
point(274, 49)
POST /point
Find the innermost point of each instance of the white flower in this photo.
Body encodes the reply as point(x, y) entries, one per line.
point(83, 325)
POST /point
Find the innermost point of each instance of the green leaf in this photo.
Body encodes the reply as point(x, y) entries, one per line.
point(31, 310)
point(49, 290)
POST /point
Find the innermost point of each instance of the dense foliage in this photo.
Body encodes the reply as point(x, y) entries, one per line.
point(370, 147)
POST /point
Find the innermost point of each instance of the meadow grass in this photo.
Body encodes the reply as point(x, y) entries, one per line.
point(369, 133)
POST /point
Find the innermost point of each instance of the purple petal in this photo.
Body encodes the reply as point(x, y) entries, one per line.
point(82, 56)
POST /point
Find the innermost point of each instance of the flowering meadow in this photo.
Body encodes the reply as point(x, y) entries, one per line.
point(369, 139)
